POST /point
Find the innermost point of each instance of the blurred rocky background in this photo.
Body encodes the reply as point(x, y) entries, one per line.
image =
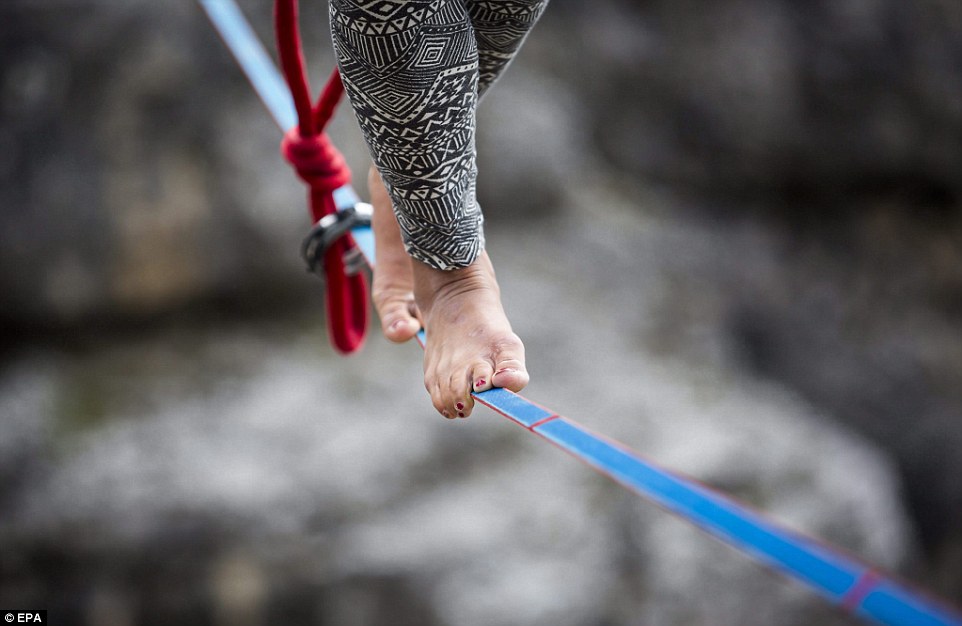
point(730, 234)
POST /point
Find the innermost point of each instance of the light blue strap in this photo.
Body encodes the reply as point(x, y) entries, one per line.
point(253, 59)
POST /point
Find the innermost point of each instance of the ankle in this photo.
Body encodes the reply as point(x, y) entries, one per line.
point(432, 285)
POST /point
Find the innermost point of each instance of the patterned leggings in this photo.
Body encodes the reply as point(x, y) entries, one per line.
point(414, 71)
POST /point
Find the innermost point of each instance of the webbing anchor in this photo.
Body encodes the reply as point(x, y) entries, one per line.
point(328, 230)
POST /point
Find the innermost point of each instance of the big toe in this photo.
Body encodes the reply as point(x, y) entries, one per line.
point(509, 369)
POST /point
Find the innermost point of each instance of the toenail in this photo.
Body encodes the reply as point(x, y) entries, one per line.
point(459, 406)
point(446, 414)
point(504, 370)
point(396, 325)
point(460, 414)
point(480, 382)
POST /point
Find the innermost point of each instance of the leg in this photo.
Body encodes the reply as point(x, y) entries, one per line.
point(393, 289)
point(500, 28)
point(412, 75)
point(410, 69)
point(499, 363)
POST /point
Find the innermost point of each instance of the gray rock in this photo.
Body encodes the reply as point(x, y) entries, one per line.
point(249, 456)
point(756, 98)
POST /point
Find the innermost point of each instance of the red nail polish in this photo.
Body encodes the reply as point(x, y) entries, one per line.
point(459, 406)
point(480, 382)
point(460, 414)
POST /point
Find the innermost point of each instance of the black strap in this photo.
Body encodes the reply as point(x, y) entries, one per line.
point(329, 229)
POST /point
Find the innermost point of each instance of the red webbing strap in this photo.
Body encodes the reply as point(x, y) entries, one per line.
point(322, 167)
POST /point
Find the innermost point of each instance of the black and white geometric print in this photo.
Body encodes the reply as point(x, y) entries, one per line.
point(414, 71)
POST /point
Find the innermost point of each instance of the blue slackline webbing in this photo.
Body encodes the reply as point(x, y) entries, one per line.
point(842, 580)
point(253, 59)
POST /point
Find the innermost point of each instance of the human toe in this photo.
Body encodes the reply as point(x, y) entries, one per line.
point(509, 370)
point(438, 398)
point(511, 379)
point(481, 377)
point(397, 319)
point(458, 398)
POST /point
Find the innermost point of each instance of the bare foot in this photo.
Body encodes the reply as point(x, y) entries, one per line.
point(393, 289)
point(470, 345)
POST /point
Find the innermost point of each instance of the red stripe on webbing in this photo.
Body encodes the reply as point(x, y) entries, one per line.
point(862, 587)
point(543, 421)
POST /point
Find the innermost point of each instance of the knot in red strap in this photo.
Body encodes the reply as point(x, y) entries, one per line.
point(316, 160)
